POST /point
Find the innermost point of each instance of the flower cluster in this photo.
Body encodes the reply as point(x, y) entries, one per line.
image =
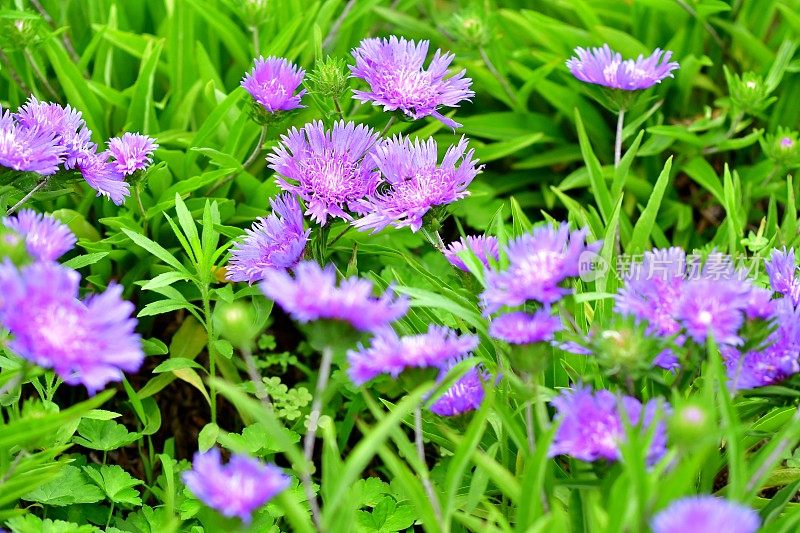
point(592, 424)
point(236, 489)
point(43, 136)
point(603, 66)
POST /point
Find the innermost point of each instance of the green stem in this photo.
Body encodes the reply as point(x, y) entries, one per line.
point(499, 77)
point(387, 126)
point(138, 194)
point(110, 515)
point(338, 108)
point(212, 359)
point(425, 475)
point(618, 141)
point(313, 423)
point(27, 197)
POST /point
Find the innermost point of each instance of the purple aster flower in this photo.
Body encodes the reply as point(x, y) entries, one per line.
point(66, 124)
point(46, 238)
point(102, 176)
point(414, 182)
point(312, 294)
point(714, 307)
point(329, 170)
point(705, 514)
point(603, 66)
point(779, 360)
point(28, 149)
point(465, 395)
point(131, 152)
point(482, 246)
point(277, 241)
point(591, 426)
point(393, 68)
point(782, 271)
point(392, 354)
point(272, 83)
point(538, 263)
point(238, 488)
point(89, 342)
point(519, 327)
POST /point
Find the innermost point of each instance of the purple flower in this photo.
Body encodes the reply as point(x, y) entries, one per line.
point(393, 68)
point(538, 263)
point(591, 426)
point(312, 294)
point(705, 514)
point(392, 354)
point(782, 271)
point(519, 327)
point(482, 246)
point(715, 307)
point(132, 152)
point(272, 83)
point(46, 238)
point(64, 123)
point(28, 149)
point(414, 182)
point(277, 241)
point(329, 170)
point(102, 176)
point(90, 342)
point(603, 66)
point(774, 363)
point(236, 489)
point(465, 395)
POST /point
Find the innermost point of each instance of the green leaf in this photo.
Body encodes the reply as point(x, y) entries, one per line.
point(176, 363)
point(644, 226)
point(116, 483)
point(72, 487)
point(156, 249)
point(601, 194)
point(103, 435)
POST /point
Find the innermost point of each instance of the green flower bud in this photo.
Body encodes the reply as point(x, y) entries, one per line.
point(748, 92)
point(690, 424)
point(471, 28)
point(236, 322)
point(782, 148)
point(12, 247)
point(626, 349)
point(20, 29)
point(330, 78)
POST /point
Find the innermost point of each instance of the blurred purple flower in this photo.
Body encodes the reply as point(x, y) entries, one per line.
point(330, 170)
point(591, 425)
point(131, 152)
point(89, 342)
point(102, 176)
point(277, 241)
point(465, 395)
point(28, 149)
point(482, 246)
point(272, 83)
point(705, 514)
point(312, 294)
point(393, 68)
point(64, 123)
point(414, 182)
point(392, 354)
point(46, 238)
point(538, 263)
point(238, 488)
point(519, 327)
point(603, 66)
point(714, 306)
point(782, 271)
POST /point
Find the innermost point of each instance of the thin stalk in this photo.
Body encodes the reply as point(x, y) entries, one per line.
point(212, 358)
point(434, 238)
point(425, 475)
point(13, 73)
point(708, 27)
point(337, 25)
point(338, 108)
point(529, 427)
point(311, 434)
point(342, 234)
point(64, 36)
point(252, 372)
point(256, 39)
point(618, 142)
point(38, 73)
point(257, 149)
point(137, 191)
point(387, 126)
point(27, 197)
point(499, 77)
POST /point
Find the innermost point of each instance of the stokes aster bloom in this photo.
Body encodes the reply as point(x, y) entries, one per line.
point(538, 263)
point(89, 342)
point(591, 426)
point(782, 271)
point(519, 327)
point(272, 83)
point(603, 66)
point(392, 354)
point(705, 514)
point(715, 307)
point(64, 123)
point(28, 149)
point(312, 294)
point(393, 68)
point(102, 176)
point(46, 238)
point(482, 246)
point(414, 182)
point(131, 152)
point(236, 489)
point(330, 170)
point(277, 241)
point(464, 396)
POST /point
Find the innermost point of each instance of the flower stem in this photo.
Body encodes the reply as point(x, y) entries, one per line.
point(434, 238)
point(499, 77)
point(387, 126)
point(425, 475)
point(27, 197)
point(212, 360)
point(255, 377)
point(618, 142)
point(311, 433)
point(529, 426)
point(257, 149)
point(338, 108)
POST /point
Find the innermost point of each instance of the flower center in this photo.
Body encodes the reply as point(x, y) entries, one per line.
point(705, 317)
